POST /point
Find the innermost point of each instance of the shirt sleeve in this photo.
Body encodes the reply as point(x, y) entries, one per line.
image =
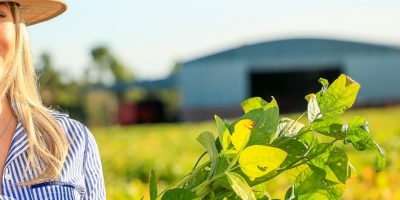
point(94, 181)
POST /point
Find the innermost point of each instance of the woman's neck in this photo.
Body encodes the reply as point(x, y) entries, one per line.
point(5, 109)
point(6, 117)
point(7, 128)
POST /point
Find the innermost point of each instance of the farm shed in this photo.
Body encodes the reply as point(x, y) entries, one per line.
point(148, 110)
point(288, 70)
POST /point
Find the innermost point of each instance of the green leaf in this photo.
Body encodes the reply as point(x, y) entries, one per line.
point(288, 127)
point(240, 186)
point(380, 158)
point(179, 194)
point(221, 183)
point(207, 140)
point(308, 180)
point(223, 131)
point(220, 123)
point(260, 192)
point(332, 127)
point(324, 83)
point(308, 138)
point(319, 157)
point(226, 140)
point(253, 103)
point(311, 184)
point(153, 186)
point(290, 194)
point(313, 110)
point(322, 151)
point(332, 160)
point(338, 163)
point(293, 147)
point(266, 122)
point(338, 97)
point(350, 168)
point(271, 104)
point(225, 194)
point(222, 165)
point(358, 134)
point(196, 180)
point(258, 160)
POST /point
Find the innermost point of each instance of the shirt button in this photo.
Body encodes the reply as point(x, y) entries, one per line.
point(7, 175)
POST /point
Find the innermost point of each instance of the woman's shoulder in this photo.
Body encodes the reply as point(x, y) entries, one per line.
point(76, 132)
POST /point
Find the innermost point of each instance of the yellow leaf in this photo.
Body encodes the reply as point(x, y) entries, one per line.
point(241, 133)
point(258, 160)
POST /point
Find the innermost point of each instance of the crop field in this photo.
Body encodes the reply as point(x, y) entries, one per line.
point(130, 153)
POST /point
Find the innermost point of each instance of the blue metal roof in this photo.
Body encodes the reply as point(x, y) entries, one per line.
point(271, 49)
point(169, 82)
point(299, 46)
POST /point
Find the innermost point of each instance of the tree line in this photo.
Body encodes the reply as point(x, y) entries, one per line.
point(87, 98)
point(70, 95)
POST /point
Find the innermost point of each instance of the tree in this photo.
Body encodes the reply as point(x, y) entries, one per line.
point(56, 93)
point(49, 80)
point(176, 68)
point(107, 66)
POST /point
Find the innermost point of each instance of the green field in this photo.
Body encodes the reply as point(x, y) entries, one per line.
point(129, 153)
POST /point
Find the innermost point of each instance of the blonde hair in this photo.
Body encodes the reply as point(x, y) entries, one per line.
point(48, 144)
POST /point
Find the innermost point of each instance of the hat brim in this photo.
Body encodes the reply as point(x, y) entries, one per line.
point(36, 11)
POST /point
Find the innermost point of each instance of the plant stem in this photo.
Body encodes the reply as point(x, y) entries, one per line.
point(198, 160)
point(294, 166)
point(207, 182)
point(287, 126)
point(296, 136)
point(287, 167)
point(186, 177)
point(233, 162)
point(333, 141)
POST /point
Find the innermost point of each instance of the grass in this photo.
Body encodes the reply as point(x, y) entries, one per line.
point(129, 153)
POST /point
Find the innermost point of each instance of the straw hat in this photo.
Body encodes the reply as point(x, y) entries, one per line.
point(35, 11)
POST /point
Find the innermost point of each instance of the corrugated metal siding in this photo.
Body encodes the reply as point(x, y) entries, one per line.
point(379, 76)
point(214, 83)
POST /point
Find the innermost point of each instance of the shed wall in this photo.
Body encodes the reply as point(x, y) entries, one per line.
point(213, 87)
point(379, 76)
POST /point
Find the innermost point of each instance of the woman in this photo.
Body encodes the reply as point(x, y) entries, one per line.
point(43, 154)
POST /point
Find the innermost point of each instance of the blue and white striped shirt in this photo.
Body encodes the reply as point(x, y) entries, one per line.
point(81, 176)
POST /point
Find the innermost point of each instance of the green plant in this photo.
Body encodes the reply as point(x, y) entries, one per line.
point(260, 146)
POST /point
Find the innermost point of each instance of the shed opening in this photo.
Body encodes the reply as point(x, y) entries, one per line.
point(290, 87)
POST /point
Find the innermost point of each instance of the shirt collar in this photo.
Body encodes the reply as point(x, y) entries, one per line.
point(19, 143)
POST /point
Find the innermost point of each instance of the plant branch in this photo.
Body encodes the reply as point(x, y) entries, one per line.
point(198, 160)
point(287, 126)
point(186, 177)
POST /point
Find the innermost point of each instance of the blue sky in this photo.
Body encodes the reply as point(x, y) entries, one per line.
point(150, 36)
